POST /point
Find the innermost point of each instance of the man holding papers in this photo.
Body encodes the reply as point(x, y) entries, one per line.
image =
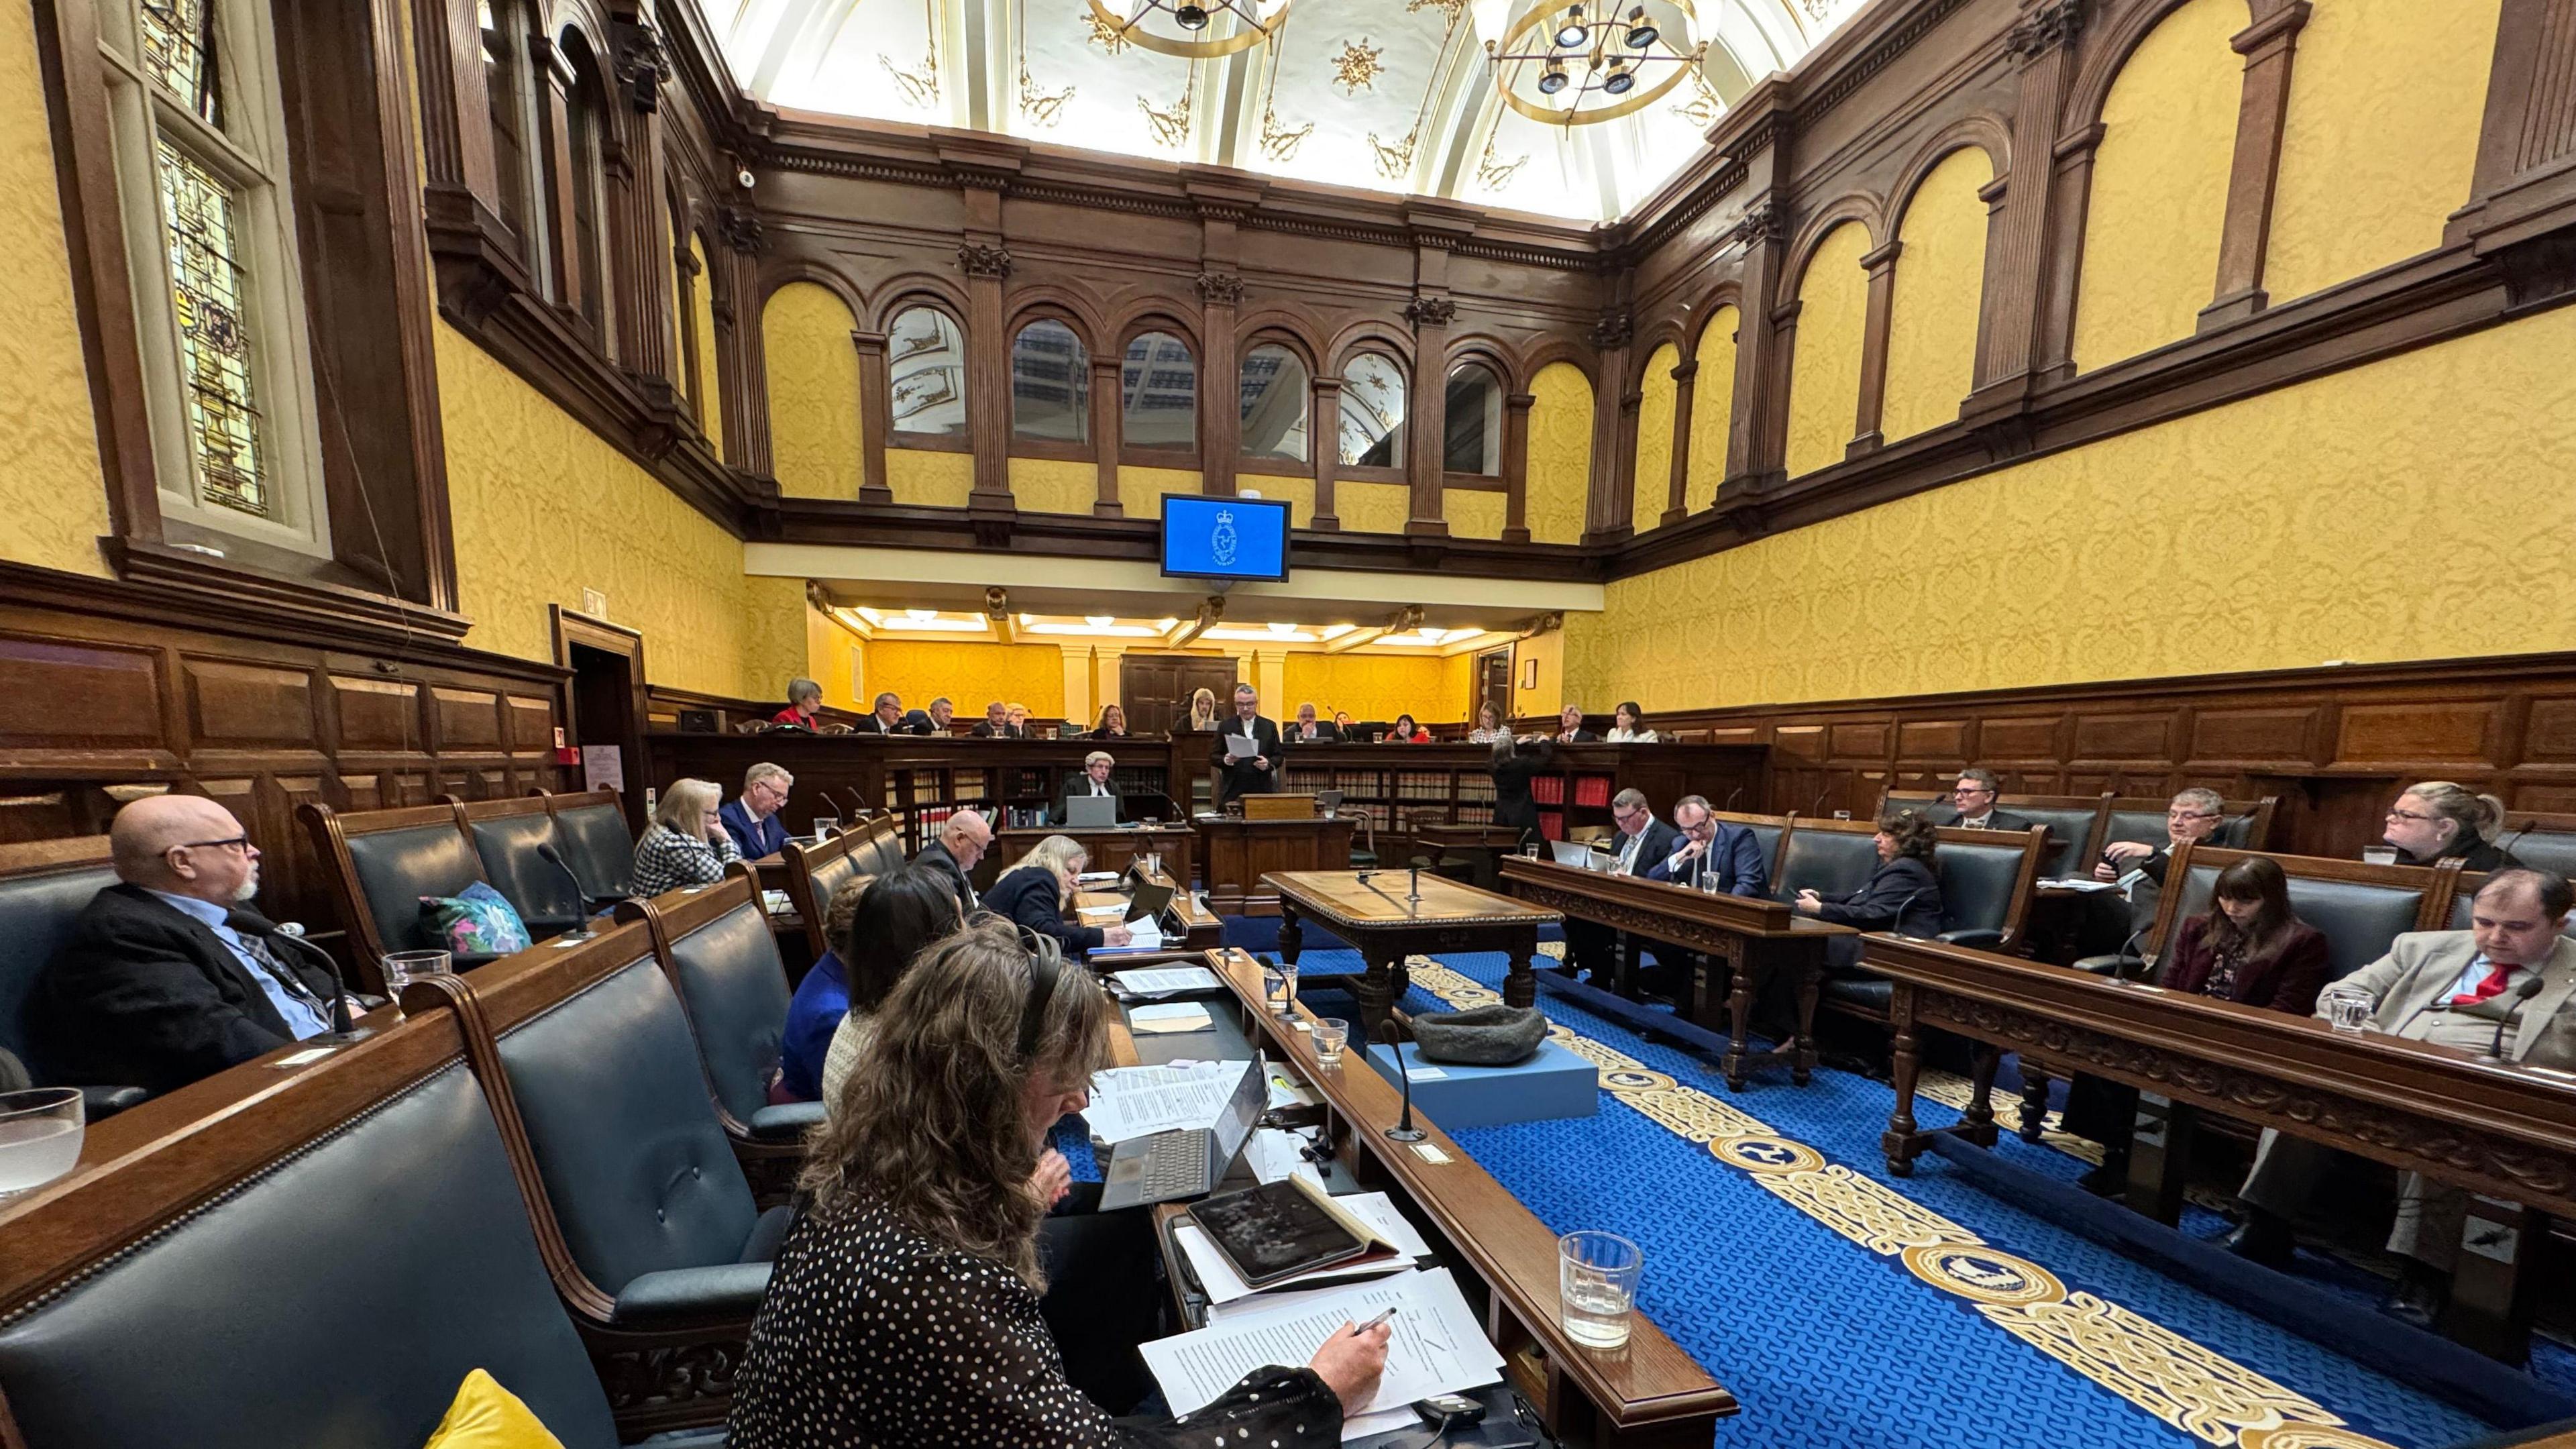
point(1248, 750)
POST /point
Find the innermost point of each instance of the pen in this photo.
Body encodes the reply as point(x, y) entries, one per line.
point(1372, 1323)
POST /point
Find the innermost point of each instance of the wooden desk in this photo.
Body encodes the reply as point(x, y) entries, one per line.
point(2498, 1130)
point(1757, 938)
point(1206, 929)
point(1378, 917)
point(1109, 849)
point(1238, 856)
point(1480, 844)
point(1649, 1393)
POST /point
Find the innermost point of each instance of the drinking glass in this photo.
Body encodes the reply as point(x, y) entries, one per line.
point(1529, 850)
point(2379, 854)
point(1153, 862)
point(1331, 1035)
point(402, 968)
point(1597, 1276)
point(1279, 988)
point(825, 827)
point(40, 1137)
point(2347, 1009)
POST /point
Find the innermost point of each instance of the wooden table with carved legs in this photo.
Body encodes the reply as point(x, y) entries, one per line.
point(1379, 913)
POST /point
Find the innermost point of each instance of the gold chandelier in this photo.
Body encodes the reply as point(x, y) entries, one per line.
point(1581, 62)
point(1194, 29)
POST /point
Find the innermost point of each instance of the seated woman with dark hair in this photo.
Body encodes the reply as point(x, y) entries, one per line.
point(866, 912)
point(1628, 726)
point(2248, 947)
point(1902, 895)
point(1406, 732)
point(1038, 892)
point(903, 1307)
point(1113, 724)
point(896, 920)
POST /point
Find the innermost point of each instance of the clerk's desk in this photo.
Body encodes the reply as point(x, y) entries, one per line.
point(1204, 928)
point(1505, 1260)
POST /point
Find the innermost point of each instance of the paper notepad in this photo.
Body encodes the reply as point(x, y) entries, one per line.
point(1241, 747)
point(1179, 1016)
point(1167, 980)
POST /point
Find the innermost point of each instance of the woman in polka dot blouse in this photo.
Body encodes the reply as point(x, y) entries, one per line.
point(903, 1309)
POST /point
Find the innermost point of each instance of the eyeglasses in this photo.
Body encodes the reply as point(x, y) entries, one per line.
point(2191, 815)
point(2411, 815)
point(1970, 790)
point(238, 842)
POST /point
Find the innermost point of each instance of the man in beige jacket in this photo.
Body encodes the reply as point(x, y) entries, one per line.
point(2508, 980)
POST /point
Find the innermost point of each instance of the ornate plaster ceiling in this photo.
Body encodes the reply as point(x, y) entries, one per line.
point(1393, 95)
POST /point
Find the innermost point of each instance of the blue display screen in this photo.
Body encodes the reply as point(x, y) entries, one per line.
point(1225, 538)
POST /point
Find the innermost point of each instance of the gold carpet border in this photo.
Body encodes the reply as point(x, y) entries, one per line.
point(2199, 1392)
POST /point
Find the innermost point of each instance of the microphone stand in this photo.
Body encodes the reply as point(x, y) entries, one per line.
point(1898, 927)
point(2523, 991)
point(343, 1031)
point(1403, 1130)
point(581, 930)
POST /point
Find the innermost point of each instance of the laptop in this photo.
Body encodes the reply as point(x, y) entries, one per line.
point(1186, 1163)
point(1150, 900)
point(1580, 855)
point(1328, 801)
point(1091, 812)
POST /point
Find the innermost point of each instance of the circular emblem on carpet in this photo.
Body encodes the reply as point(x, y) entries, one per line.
point(1766, 1154)
point(1634, 1079)
point(2306, 1436)
point(1982, 1274)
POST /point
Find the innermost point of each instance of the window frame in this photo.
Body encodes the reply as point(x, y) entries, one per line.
point(1247, 460)
point(1160, 455)
point(1038, 445)
point(1397, 470)
point(897, 436)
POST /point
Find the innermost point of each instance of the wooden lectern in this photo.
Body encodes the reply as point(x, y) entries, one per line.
point(1278, 807)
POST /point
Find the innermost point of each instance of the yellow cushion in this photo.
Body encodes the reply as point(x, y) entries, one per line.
point(488, 1416)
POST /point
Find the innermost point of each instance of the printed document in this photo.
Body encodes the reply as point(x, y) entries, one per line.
point(1141, 1101)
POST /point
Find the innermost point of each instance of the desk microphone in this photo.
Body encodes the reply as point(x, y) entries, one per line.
point(1819, 807)
point(2523, 990)
point(1730, 798)
point(2122, 957)
point(1403, 1130)
point(1906, 905)
point(581, 930)
point(2506, 845)
point(343, 1031)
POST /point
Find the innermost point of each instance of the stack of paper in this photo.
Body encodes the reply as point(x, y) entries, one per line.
point(1274, 1154)
point(1167, 980)
point(1178, 1016)
point(1436, 1348)
point(1144, 935)
point(1141, 1101)
point(1224, 1285)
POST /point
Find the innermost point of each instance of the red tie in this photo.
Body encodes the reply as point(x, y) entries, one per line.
point(2489, 989)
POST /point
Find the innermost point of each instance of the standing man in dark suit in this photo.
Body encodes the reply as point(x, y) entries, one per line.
point(1641, 842)
point(165, 978)
point(887, 719)
point(1094, 780)
point(1260, 773)
point(1972, 804)
point(961, 843)
point(1512, 767)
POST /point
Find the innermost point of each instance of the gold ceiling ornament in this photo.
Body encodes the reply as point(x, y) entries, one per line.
point(1191, 29)
point(1357, 66)
point(1451, 6)
point(1039, 106)
point(1278, 143)
point(1105, 32)
point(1582, 62)
point(1493, 173)
point(1171, 127)
point(1705, 104)
point(1395, 162)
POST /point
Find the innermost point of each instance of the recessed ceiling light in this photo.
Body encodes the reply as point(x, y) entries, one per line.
point(921, 613)
point(1097, 621)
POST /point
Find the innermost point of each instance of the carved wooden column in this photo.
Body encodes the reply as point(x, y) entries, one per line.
point(1758, 427)
point(2070, 181)
point(1220, 381)
point(2018, 264)
point(562, 275)
point(2268, 46)
point(455, 119)
point(1614, 428)
point(1866, 432)
point(988, 380)
point(644, 295)
point(1106, 439)
point(876, 416)
point(1677, 497)
point(2522, 208)
point(1427, 407)
point(746, 361)
point(687, 277)
point(1516, 415)
point(1324, 445)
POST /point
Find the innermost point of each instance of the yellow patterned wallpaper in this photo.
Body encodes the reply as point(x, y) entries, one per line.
point(920, 477)
point(971, 675)
point(1300, 493)
point(832, 661)
point(1141, 490)
point(1712, 405)
point(1370, 686)
point(1548, 695)
point(2376, 514)
point(2159, 199)
point(1372, 507)
point(1475, 512)
point(1055, 485)
point(1560, 453)
point(2381, 136)
point(710, 379)
point(1458, 682)
point(1940, 280)
point(1652, 491)
point(1824, 373)
point(813, 392)
point(53, 492)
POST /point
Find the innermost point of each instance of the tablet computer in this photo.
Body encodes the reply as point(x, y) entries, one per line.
point(1276, 1231)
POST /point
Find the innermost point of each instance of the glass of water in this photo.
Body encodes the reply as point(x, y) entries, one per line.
point(402, 968)
point(2346, 1009)
point(1279, 987)
point(1331, 1035)
point(2379, 854)
point(825, 827)
point(1597, 1276)
point(40, 1137)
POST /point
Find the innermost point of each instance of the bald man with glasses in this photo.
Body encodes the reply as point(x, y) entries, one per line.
point(166, 977)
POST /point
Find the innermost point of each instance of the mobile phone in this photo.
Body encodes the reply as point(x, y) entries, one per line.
point(1450, 1410)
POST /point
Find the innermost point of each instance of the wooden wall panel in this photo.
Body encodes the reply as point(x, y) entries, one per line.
point(2550, 731)
point(377, 714)
point(1932, 739)
point(244, 706)
point(2034, 737)
point(468, 719)
point(2108, 737)
point(2427, 732)
point(2252, 734)
point(118, 691)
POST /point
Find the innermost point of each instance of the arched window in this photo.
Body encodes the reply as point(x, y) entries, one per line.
point(1275, 407)
point(1372, 423)
point(1474, 421)
point(926, 373)
point(587, 115)
point(1158, 394)
point(1050, 384)
point(509, 93)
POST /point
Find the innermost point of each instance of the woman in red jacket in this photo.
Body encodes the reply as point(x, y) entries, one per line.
point(2248, 947)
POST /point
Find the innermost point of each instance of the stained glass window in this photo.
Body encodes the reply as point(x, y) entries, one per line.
point(200, 217)
point(179, 51)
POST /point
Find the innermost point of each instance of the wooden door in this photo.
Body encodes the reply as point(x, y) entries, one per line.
point(1155, 689)
point(1493, 685)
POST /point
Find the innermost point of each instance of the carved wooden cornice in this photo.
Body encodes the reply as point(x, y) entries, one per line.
point(637, 60)
point(1612, 331)
point(2047, 26)
point(976, 259)
point(1431, 311)
point(741, 227)
point(1220, 289)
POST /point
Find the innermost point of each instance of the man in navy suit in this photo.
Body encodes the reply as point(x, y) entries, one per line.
point(752, 819)
point(1641, 843)
point(1713, 855)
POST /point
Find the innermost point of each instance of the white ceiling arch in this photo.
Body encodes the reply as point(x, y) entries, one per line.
point(1392, 95)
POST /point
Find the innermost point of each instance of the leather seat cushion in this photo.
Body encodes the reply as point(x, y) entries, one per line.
point(2545, 849)
point(1873, 992)
point(397, 867)
point(1976, 885)
point(829, 877)
point(596, 841)
point(338, 1299)
point(542, 894)
point(1831, 864)
point(737, 993)
point(2069, 831)
point(36, 913)
point(634, 1161)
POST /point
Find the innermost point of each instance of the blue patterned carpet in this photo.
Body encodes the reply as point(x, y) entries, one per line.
point(1828, 1343)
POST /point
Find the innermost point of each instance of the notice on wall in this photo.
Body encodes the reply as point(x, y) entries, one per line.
point(603, 767)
